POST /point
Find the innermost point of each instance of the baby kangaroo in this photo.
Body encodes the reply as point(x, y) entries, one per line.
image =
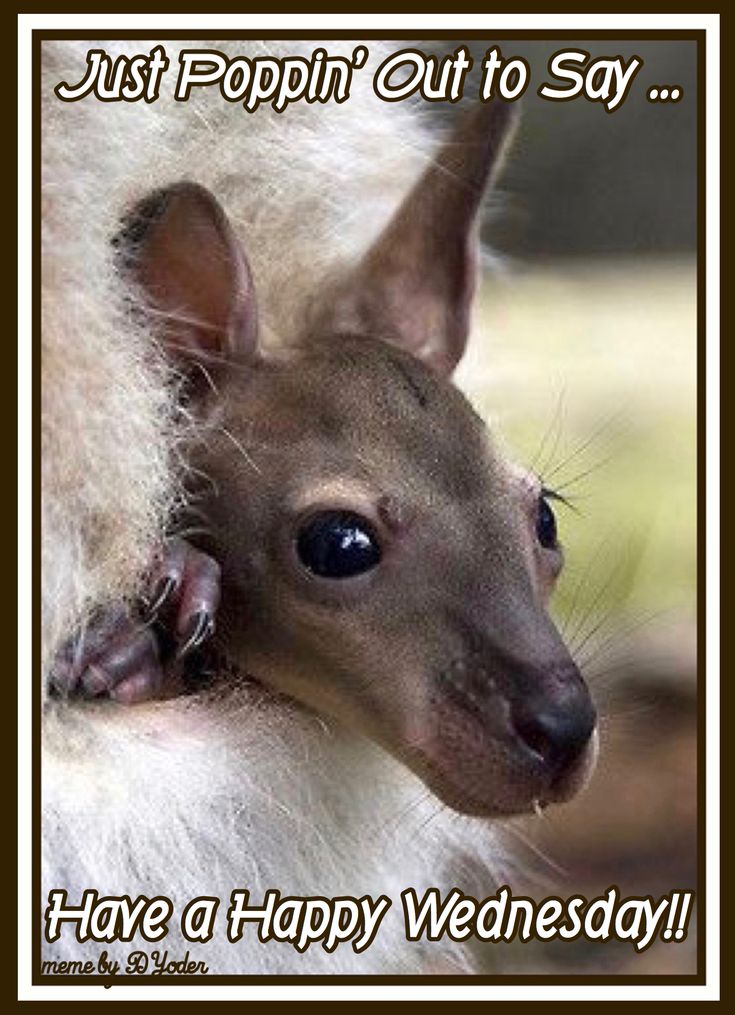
point(377, 559)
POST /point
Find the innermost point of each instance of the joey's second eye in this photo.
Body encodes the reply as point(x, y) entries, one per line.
point(546, 525)
point(338, 544)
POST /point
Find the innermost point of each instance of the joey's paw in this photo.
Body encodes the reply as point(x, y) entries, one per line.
point(186, 592)
point(114, 655)
point(133, 656)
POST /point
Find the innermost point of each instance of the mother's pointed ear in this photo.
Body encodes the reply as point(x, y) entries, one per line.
point(180, 248)
point(415, 286)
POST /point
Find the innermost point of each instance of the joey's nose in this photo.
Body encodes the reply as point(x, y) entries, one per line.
point(557, 731)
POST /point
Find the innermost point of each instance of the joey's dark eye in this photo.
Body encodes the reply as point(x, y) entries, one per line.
point(546, 525)
point(338, 544)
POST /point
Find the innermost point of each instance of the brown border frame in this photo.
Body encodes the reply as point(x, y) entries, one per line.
point(699, 36)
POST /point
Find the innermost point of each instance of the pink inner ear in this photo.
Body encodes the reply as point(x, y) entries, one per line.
point(194, 271)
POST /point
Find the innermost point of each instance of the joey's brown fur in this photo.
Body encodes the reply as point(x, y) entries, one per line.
point(311, 435)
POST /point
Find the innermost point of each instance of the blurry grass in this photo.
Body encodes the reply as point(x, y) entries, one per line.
point(600, 356)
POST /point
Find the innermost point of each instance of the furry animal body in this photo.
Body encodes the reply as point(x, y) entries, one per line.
point(203, 794)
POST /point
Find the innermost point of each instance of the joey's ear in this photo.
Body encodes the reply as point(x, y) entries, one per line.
point(415, 286)
point(182, 251)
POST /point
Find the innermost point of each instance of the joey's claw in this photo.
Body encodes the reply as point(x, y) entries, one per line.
point(186, 595)
point(130, 659)
point(199, 628)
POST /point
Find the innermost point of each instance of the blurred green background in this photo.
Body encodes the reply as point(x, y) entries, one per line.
point(584, 357)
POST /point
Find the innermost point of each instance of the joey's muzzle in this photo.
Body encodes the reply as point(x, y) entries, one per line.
point(504, 737)
point(556, 723)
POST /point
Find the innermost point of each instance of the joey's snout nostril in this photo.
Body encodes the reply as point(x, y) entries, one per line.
point(558, 733)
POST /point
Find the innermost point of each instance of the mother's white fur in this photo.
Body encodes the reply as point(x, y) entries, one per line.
point(203, 795)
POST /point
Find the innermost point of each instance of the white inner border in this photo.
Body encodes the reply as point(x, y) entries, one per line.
point(388, 23)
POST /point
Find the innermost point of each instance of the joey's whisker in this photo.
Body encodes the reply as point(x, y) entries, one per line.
point(403, 812)
point(581, 581)
point(616, 572)
point(555, 422)
point(438, 808)
point(599, 625)
point(596, 433)
point(619, 637)
point(554, 446)
point(583, 475)
point(552, 866)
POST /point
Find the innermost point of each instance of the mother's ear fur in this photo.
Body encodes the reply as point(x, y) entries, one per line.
point(183, 254)
point(415, 286)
